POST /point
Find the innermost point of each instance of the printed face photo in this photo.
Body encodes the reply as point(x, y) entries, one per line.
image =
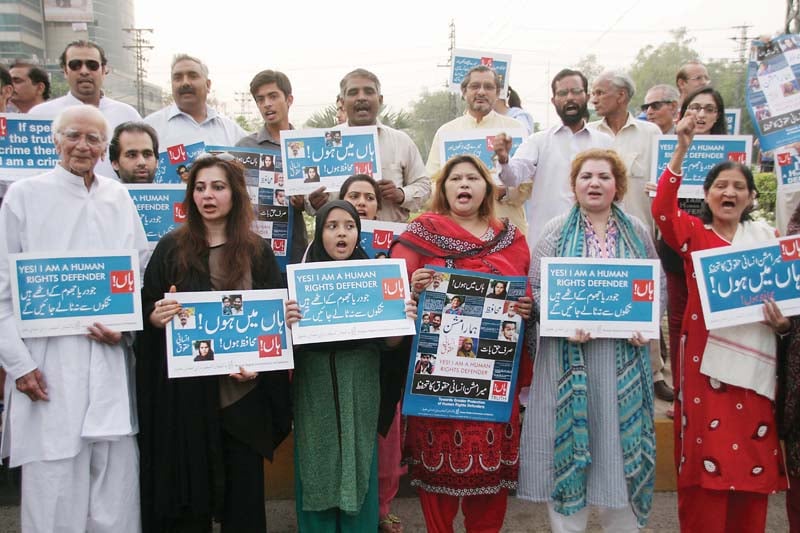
point(184, 319)
point(439, 282)
point(236, 304)
point(311, 174)
point(296, 149)
point(204, 350)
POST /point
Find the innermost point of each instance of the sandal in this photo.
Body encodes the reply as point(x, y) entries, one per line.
point(390, 523)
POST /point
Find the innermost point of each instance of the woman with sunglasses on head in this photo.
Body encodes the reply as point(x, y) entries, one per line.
point(203, 439)
point(727, 451)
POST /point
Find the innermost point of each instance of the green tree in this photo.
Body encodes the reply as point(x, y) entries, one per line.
point(589, 67)
point(728, 77)
point(326, 118)
point(655, 65)
point(430, 111)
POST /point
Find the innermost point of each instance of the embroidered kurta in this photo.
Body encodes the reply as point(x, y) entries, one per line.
point(460, 457)
point(725, 436)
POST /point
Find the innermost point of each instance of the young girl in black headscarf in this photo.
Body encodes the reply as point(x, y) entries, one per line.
point(336, 399)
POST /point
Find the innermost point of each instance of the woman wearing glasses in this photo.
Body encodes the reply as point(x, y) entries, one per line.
point(709, 111)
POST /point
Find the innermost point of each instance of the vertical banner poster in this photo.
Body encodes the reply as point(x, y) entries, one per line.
point(609, 298)
point(465, 359)
point(705, 152)
point(463, 60)
point(480, 143)
point(734, 281)
point(216, 332)
point(343, 300)
point(377, 237)
point(160, 208)
point(175, 162)
point(326, 157)
point(64, 294)
point(773, 90)
point(263, 175)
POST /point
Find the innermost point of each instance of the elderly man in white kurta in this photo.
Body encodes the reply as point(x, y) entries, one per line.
point(71, 418)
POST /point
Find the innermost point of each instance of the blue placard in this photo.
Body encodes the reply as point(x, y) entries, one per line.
point(175, 162)
point(263, 174)
point(317, 157)
point(733, 120)
point(464, 60)
point(478, 143)
point(377, 237)
point(217, 332)
point(773, 90)
point(465, 359)
point(705, 152)
point(735, 281)
point(160, 208)
point(62, 295)
point(787, 169)
point(26, 146)
point(342, 300)
point(607, 297)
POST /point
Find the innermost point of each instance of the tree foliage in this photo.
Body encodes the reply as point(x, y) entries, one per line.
point(659, 64)
point(589, 67)
point(326, 118)
point(430, 111)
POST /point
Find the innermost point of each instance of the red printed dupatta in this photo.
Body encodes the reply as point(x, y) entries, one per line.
point(448, 244)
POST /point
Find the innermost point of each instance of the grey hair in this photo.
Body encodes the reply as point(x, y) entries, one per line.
point(620, 80)
point(669, 91)
point(187, 57)
point(85, 110)
point(359, 73)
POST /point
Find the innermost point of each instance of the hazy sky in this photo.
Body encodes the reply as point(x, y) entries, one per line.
point(405, 42)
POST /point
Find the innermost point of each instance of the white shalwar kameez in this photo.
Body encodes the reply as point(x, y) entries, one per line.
point(77, 450)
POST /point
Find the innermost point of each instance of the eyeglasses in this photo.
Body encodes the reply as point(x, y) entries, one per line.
point(711, 109)
point(76, 64)
point(575, 91)
point(74, 136)
point(658, 104)
point(487, 86)
point(699, 77)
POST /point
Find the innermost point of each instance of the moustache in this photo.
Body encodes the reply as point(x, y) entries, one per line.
point(186, 90)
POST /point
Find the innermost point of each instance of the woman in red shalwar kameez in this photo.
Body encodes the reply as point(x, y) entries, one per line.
point(726, 444)
point(462, 462)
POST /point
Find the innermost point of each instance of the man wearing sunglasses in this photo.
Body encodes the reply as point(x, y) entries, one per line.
point(661, 107)
point(85, 66)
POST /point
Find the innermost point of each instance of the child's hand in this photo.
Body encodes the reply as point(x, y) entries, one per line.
point(292, 312)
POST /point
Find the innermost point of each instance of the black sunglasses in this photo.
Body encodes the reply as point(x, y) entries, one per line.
point(76, 64)
point(658, 104)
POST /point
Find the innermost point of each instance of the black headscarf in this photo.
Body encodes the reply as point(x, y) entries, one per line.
point(316, 250)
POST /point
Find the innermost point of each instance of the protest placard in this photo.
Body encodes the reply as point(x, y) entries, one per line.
point(480, 143)
point(733, 120)
point(216, 332)
point(734, 281)
point(773, 90)
point(63, 294)
point(326, 157)
point(341, 300)
point(263, 175)
point(465, 359)
point(160, 207)
point(609, 298)
point(26, 146)
point(463, 60)
point(787, 170)
point(174, 163)
point(377, 237)
point(705, 152)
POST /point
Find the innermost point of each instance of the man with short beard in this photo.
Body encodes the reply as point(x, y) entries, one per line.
point(545, 157)
point(189, 119)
